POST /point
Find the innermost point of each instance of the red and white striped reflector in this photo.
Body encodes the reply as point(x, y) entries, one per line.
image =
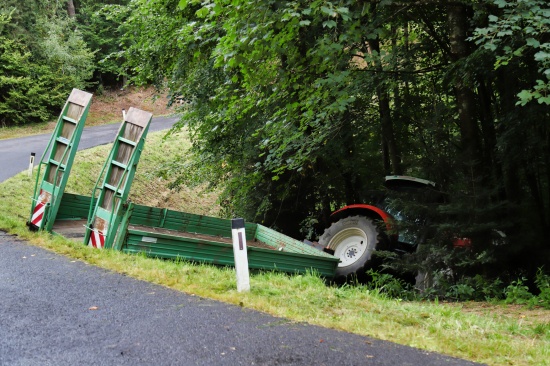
point(97, 239)
point(38, 212)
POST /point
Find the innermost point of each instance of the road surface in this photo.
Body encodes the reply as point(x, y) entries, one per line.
point(15, 153)
point(58, 311)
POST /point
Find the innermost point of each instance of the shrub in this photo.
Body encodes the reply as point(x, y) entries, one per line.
point(388, 285)
point(542, 281)
point(517, 292)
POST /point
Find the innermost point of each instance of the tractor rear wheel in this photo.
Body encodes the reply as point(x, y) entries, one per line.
point(353, 239)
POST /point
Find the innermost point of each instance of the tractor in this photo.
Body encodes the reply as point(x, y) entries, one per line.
point(358, 230)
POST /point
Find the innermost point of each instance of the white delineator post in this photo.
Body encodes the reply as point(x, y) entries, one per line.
point(31, 164)
point(241, 256)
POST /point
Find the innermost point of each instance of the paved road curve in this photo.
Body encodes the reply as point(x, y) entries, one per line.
point(57, 311)
point(15, 153)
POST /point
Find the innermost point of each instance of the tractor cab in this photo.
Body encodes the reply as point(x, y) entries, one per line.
point(414, 189)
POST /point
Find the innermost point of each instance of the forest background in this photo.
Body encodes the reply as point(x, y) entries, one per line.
point(296, 108)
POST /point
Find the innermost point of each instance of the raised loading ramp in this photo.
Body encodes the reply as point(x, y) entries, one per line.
point(116, 179)
point(57, 161)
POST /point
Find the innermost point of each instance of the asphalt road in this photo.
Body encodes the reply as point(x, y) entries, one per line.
point(15, 153)
point(57, 311)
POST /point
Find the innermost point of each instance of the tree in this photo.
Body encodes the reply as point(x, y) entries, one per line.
point(43, 56)
point(68, 56)
point(276, 116)
point(299, 107)
point(70, 9)
point(29, 92)
point(100, 23)
point(521, 31)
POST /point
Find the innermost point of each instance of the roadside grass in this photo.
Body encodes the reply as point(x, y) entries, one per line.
point(488, 334)
point(26, 130)
point(147, 188)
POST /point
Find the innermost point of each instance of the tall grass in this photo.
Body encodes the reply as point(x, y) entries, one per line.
point(487, 335)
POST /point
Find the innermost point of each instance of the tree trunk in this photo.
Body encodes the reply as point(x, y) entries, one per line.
point(388, 134)
point(507, 86)
point(390, 151)
point(70, 9)
point(465, 97)
point(392, 158)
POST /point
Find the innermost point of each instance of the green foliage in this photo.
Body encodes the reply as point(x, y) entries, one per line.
point(542, 281)
point(66, 53)
point(297, 108)
point(460, 292)
point(270, 101)
point(42, 58)
point(27, 18)
point(517, 292)
point(100, 25)
point(390, 286)
point(475, 288)
point(28, 91)
point(519, 34)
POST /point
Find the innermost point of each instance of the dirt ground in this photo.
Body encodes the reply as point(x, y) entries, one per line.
point(521, 313)
point(108, 107)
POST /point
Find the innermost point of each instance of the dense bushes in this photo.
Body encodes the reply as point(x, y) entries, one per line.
point(29, 92)
point(476, 288)
point(43, 56)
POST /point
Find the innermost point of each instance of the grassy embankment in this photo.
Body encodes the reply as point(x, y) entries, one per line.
point(488, 333)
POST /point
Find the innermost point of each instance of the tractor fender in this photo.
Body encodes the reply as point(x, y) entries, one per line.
point(388, 237)
point(370, 211)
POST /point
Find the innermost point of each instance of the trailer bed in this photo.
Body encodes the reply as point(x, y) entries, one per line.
point(171, 234)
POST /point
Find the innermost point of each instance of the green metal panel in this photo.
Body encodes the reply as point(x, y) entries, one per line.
point(147, 216)
point(181, 221)
point(214, 252)
point(172, 247)
point(295, 256)
point(116, 177)
point(187, 222)
point(290, 262)
point(286, 243)
point(73, 206)
point(58, 160)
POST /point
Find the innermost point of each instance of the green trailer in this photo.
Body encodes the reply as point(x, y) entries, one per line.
point(169, 234)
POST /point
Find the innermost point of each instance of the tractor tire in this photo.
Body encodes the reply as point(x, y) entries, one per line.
point(353, 239)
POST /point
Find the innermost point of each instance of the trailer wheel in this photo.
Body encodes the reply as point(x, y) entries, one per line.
point(353, 240)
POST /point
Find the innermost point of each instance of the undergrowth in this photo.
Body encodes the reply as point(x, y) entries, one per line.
point(474, 288)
